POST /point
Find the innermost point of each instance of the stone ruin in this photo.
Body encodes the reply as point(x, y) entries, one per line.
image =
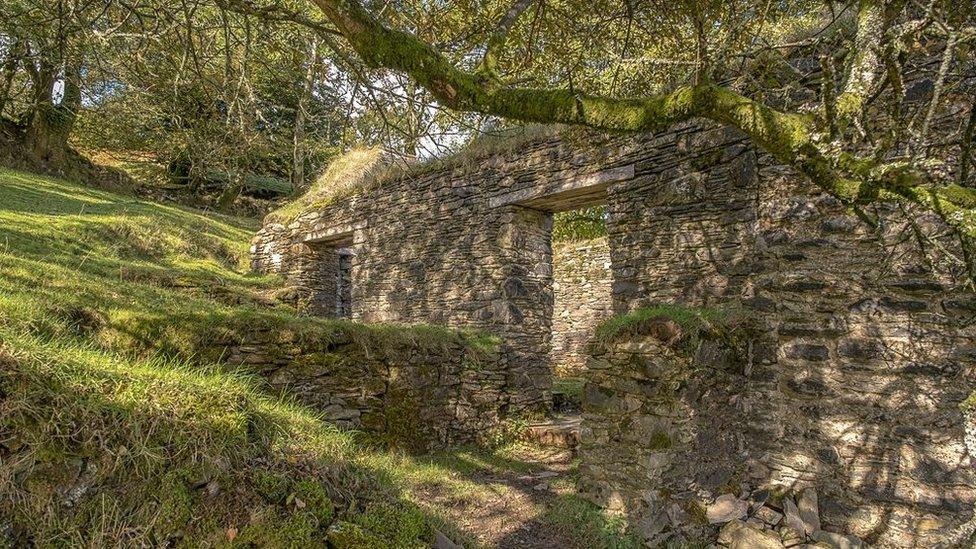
point(851, 387)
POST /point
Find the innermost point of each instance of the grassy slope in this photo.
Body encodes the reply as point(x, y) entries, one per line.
point(113, 430)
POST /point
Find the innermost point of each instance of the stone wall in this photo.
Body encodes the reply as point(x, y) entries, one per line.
point(581, 288)
point(869, 343)
point(868, 340)
point(659, 440)
point(414, 387)
point(685, 444)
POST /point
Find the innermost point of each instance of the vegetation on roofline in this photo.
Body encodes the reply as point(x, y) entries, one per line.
point(361, 170)
point(679, 326)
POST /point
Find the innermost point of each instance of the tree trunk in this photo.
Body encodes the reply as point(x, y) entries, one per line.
point(9, 71)
point(233, 190)
point(51, 123)
point(301, 115)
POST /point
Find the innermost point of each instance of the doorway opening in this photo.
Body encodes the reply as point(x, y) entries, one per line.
point(344, 258)
point(582, 282)
point(329, 278)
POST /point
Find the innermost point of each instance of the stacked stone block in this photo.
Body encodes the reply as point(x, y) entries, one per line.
point(868, 343)
point(414, 395)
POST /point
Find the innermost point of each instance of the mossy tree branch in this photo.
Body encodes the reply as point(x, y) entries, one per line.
point(871, 27)
point(791, 138)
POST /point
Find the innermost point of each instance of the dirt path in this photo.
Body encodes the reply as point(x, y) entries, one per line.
point(503, 502)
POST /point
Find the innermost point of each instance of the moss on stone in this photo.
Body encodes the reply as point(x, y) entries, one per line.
point(697, 511)
point(689, 321)
point(269, 526)
point(401, 422)
point(273, 487)
point(969, 404)
point(178, 498)
point(401, 525)
point(659, 440)
point(346, 535)
point(681, 327)
point(316, 502)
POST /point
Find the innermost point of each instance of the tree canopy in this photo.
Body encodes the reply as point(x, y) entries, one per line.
point(870, 99)
point(854, 137)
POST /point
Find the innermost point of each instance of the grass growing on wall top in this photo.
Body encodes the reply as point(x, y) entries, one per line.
point(348, 174)
point(681, 324)
point(364, 169)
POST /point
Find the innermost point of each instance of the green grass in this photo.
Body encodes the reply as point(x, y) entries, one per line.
point(589, 525)
point(690, 321)
point(117, 428)
point(348, 174)
point(570, 387)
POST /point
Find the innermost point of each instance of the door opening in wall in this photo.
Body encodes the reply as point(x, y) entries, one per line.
point(328, 277)
point(344, 283)
point(581, 296)
point(574, 211)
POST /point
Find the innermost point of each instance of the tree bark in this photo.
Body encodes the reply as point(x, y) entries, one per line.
point(51, 123)
point(299, 151)
point(871, 27)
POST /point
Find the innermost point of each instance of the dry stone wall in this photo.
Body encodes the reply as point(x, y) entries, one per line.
point(581, 287)
point(657, 441)
point(867, 345)
point(868, 341)
point(414, 390)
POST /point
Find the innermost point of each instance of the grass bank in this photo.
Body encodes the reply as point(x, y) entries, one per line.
point(114, 430)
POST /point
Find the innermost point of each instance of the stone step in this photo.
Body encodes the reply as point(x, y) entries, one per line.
point(560, 432)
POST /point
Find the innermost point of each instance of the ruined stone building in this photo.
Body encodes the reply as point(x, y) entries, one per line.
point(866, 349)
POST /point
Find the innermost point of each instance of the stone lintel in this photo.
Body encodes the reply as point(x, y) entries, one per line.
point(338, 234)
point(570, 194)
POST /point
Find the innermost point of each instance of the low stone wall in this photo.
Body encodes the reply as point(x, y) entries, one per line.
point(657, 438)
point(686, 444)
point(581, 288)
point(412, 391)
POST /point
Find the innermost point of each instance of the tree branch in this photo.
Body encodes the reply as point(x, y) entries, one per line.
point(791, 139)
point(497, 40)
point(864, 67)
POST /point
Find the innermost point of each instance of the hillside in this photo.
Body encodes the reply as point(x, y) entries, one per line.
point(116, 429)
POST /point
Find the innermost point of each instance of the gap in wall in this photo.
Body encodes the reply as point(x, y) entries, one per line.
point(582, 280)
point(329, 278)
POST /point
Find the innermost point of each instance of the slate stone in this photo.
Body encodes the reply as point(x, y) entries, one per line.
point(725, 508)
point(809, 509)
point(837, 541)
point(807, 351)
point(751, 537)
